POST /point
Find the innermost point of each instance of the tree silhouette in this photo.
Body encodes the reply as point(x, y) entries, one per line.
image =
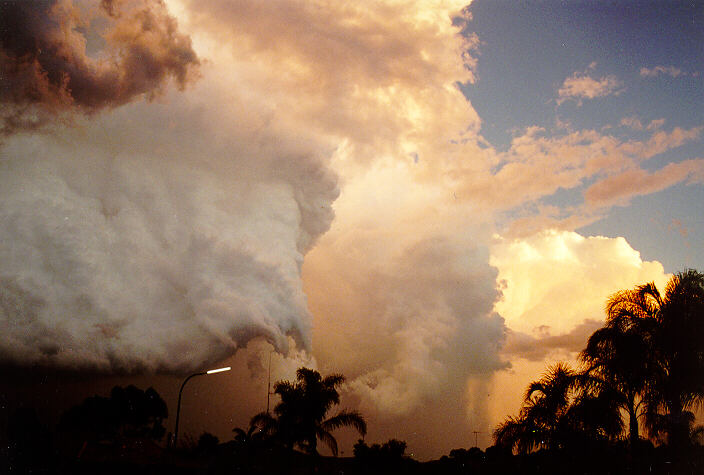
point(128, 412)
point(301, 414)
point(677, 387)
point(388, 457)
point(650, 352)
point(620, 356)
point(543, 416)
point(207, 442)
point(559, 410)
point(647, 361)
point(257, 435)
point(28, 442)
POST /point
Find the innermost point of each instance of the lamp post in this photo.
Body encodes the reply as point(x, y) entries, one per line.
point(180, 392)
point(268, 385)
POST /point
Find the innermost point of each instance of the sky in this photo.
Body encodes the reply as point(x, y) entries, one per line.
point(433, 198)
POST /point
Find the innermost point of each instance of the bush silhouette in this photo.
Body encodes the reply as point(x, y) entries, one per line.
point(128, 412)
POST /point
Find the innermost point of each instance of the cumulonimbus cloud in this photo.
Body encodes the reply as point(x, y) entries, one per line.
point(138, 242)
point(538, 275)
point(47, 68)
point(165, 235)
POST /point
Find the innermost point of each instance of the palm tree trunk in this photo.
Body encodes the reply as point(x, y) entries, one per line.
point(678, 433)
point(633, 435)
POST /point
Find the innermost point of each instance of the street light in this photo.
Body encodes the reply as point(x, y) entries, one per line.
point(178, 407)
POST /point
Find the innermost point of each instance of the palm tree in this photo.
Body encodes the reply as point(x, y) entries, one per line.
point(520, 434)
point(594, 415)
point(301, 414)
point(619, 356)
point(678, 387)
point(558, 409)
point(650, 352)
point(257, 433)
point(548, 401)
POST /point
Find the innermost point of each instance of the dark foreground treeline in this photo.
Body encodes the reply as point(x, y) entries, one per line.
point(124, 434)
point(142, 457)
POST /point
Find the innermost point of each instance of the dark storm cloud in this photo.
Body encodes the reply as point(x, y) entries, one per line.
point(45, 67)
point(537, 348)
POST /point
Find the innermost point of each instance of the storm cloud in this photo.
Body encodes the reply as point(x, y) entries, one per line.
point(56, 55)
point(137, 242)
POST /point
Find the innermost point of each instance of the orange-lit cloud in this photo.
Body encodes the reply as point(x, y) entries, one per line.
point(655, 124)
point(657, 70)
point(632, 122)
point(554, 287)
point(380, 76)
point(635, 124)
point(46, 67)
point(562, 279)
point(619, 189)
point(582, 86)
point(537, 164)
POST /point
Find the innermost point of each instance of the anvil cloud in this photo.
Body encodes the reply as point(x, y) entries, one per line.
point(184, 181)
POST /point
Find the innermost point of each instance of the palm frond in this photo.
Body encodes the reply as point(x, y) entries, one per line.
point(518, 434)
point(346, 418)
point(328, 439)
point(333, 380)
point(263, 422)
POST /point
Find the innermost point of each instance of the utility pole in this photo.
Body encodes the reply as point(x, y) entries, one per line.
point(475, 432)
point(268, 385)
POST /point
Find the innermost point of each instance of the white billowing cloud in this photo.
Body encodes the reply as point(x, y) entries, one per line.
point(411, 326)
point(658, 70)
point(554, 288)
point(582, 86)
point(400, 286)
point(554, 281)
point(157, 237)
point(189, 219)
point(195, 214)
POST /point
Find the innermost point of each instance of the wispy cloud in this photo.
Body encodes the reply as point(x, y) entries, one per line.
point(635, 123)
point(632, 123)
point(656, 124)
point(619, 189)
point(581, 86)
point(570, 159)
point(658, 70)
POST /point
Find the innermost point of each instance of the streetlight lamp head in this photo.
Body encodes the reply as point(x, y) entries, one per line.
point(180, 392)
point(219, 370)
